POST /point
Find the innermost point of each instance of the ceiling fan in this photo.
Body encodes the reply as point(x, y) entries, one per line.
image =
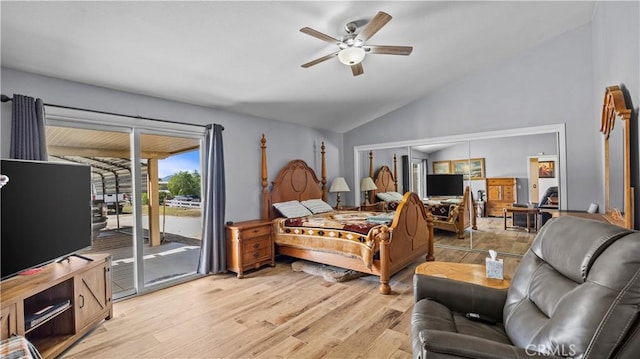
point(353, 47)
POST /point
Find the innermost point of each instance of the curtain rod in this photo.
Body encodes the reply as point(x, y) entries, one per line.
point(5, 98)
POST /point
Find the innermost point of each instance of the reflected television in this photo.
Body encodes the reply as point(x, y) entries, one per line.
point(441, 185)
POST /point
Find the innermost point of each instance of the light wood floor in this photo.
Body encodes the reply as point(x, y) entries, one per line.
point(271, 313)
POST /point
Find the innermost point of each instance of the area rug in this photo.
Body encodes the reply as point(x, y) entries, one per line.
point(329, 273)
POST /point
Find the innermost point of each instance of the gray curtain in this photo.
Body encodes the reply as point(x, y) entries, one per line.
point(28, 138)
point(213, 257)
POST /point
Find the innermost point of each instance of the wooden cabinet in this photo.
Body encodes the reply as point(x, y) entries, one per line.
point(249, 246)
point(93, 295)
point(501, 193)
point(9, 321)
point(56, 306)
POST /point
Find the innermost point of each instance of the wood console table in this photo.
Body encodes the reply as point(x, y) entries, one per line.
point(469, 273)
point(528, 211)
point(58, 305)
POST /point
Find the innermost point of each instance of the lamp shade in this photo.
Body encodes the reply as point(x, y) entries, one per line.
point(351, 55)
point(367, 184)
point(339, 185)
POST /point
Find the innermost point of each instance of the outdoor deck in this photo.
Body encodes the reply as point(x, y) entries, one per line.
point(175, 256)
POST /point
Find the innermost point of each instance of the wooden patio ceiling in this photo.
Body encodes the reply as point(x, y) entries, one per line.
point(66, 141)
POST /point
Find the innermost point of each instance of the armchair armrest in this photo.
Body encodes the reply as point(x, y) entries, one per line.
point(459, 296)
point(450, 344)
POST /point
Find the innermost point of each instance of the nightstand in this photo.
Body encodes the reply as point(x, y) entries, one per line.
point(249, 245)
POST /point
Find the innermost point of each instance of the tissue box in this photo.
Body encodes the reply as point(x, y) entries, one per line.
point(495, 268)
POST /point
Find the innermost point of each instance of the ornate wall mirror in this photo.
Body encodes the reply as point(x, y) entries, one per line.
point(617, 163)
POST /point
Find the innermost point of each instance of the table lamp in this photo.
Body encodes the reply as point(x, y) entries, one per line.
point(339, 185)
point(366, 185)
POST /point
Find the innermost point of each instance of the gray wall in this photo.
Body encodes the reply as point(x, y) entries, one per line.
point(550, 84)
point(241, 136)
point(616, 61)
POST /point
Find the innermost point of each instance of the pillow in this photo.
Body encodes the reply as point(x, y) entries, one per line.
point(385, 196)
point(453, 200)
point(396, 196)
point(292, 209)
point(317, 206)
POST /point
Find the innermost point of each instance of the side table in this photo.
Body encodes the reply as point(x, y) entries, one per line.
point(528, 211)
point(463, 272)
point(249, 246)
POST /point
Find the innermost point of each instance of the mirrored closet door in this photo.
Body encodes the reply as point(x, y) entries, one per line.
point(467, 184)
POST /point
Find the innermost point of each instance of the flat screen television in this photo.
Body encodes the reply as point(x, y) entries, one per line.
point(445, 185)
point(45, 213)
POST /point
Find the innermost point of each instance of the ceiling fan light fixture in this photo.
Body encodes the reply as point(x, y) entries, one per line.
point(351, 55)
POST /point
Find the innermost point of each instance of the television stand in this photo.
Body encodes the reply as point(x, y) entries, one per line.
point(55, 307)
point(74, 255)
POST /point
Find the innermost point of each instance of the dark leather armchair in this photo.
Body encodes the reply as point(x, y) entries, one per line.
point(575, 293)
point(520, 219)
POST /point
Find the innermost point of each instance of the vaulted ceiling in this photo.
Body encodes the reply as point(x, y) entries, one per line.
point(245, 57)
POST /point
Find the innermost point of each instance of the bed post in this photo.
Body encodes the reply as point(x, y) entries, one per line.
point(430, 256)
point(263, 176)
point(472, 209)
point(395, 173)
point(324, 173)
point(385, 266)
point(372, 193)
point(371, 164)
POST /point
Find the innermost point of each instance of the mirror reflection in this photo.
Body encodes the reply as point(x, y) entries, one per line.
point(467, 185)
point(616, 169)
point(615, 128)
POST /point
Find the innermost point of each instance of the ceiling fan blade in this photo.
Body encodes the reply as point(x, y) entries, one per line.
point(318, 35)
point(320, 59)
point(357, 69)
point(378, 21)
point(389, 50)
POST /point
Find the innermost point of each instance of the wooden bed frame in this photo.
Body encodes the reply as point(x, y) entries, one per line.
point(409, 237)
point(460, 217)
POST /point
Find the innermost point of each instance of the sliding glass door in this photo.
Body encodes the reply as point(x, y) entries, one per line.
point(108, 154)
point(171, 207)
point(146, 193)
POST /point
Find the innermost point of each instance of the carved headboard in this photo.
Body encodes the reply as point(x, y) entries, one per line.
point(384, 179)
point(295, 181)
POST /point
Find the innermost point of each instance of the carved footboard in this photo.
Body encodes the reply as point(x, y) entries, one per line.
point(459, 217)
point(411, 233)
point(452, 222)
point(410, 237)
